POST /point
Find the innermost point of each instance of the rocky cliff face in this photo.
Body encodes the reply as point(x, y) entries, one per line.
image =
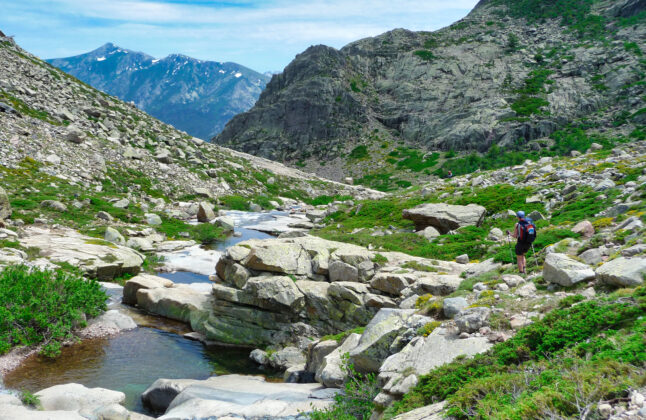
point(196, 96)
point(508, 74)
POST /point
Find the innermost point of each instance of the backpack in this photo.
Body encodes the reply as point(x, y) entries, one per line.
point(526, 231)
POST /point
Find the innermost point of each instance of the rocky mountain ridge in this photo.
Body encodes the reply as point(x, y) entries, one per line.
point(195, 96)
point(509, 74)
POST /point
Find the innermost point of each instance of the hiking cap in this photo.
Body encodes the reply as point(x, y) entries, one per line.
point(520, 214)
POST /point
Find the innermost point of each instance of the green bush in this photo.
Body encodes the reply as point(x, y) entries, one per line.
point(425, 55)
point(235, 202)
point(42, 307)
point(529, 105)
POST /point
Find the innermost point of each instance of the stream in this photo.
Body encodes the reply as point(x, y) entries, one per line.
point(132, 360)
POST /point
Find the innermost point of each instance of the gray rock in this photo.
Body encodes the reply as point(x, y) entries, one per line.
point(565, 271)
point(75, 134)
point(584, 228)
point(225, 222)
point(286, 358)
point(5, 206)
point(453, 306)
point(429, 232)
point(259, 356)
point(153, 219)
point(104, 216)
point(624, 272)
point(158, 396)
point(331, 373)
point(76, 397)
point(113, 235)
point(445, 217)
point(462, 259)
point(317, 353)
point(512, 280)
point(122, 204)
point(340, 271)
point(54, 205)
point(374, 346)
point(472, 319)
point(205, 212)
point(605, 184)
point(592, 256)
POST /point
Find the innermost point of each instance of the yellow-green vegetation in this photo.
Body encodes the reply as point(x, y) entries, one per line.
point(562, 365)
point(42, 307)
point(428, 328)
point(430, 305)
point(417, 266)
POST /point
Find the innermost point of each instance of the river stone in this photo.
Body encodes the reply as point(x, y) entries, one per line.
point(374, 346)
point(140, 244)
point(97, 260)
point(445, 217)
point(472, 319)
point(622, 271)
point(225, 222)
point(142, 281)
point(331, 373)
point(180, 302)
point(5, 207)
point(340, 271)
point(277, 293)
point(285, 358)
point(15, 412)
point(158, 396)
point(279, 257)
point(562, 269)
point(205, 212)
point(113, 235)
point(248, 397)
point(76, 397)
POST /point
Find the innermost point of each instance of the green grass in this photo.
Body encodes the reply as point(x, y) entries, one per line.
point(573, 357)
point(359, 152)
point(42, 307)
point(343, 335)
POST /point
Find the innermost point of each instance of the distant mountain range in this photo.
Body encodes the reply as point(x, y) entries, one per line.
point(196, 96)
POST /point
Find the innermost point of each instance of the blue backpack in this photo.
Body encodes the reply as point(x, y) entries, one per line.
point(526, 230)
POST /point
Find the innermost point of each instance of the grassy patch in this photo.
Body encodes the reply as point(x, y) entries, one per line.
point(343, 335)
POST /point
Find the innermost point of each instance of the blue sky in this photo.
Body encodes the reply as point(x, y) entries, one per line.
point(261, 34)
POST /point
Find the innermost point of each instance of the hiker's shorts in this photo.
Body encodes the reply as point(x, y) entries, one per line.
point(522, 248)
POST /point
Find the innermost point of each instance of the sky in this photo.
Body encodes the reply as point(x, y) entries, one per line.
point(264, 35)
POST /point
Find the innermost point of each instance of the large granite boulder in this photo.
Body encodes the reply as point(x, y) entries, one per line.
point(471, 320)
point(5, 207)
point(566, 271)
point(97, 258)
point(423, 354)
point(180, 302)
point(238, 396)
point(330, 372)
point(374, 345)
point(158, 396)
point(445, 217)
point(623, 272)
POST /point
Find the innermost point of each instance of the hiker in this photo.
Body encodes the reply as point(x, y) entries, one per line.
point(450, 174)
point(525, 233)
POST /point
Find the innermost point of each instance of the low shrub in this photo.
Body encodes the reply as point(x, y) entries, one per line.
point(42, 306)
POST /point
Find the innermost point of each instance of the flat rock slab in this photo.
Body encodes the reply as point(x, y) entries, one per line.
point(242, 396)
point(96, 257)
point(429, 412)
point(626, 272)
point(445, 217)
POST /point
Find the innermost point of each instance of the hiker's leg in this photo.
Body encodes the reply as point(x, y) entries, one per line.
point(519, 260)
point(523, 261)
